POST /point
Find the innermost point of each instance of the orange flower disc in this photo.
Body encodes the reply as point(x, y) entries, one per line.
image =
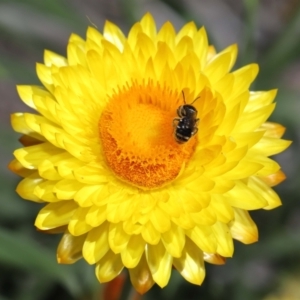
point(137, 134)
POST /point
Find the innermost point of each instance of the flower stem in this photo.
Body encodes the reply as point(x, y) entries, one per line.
point(128, 292)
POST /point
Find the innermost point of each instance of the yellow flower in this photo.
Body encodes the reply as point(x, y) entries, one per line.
point(117, 160)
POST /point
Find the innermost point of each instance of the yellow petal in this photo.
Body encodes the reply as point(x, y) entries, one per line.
point(215, 259)
point(243, 169)
point(159, 220)
point(70, 248)
point(27, 140)
point(261, 188)
point(17, 168)
point(218, 66)
point(117, 212)
point(250, 199)
point(253, 120)
point(117, 237)
point(260, 99)
point(96, 244)
point(75, 50)
point(112, 33)
point(206, 216)
point(91, 175)
point(174, 240)
point(224, 239)
point(66, 189)
point(224, 212)
point(244, 77)
point(269, 165)
point(148, 48)
point(189, 30)
point(77, 225)
point(94, 35)
point(47, 168)
point(85, 195)
point(109, 267)
point(274, 179)
point(133, 252)
point(26, 187)
point(167, 34)
point(55, 214)
point(19, 124)
point(26, 93)
point(160, 263)
point(67, 165)
point(96, 215)
point(243, 228)
point(204, 238)
point(191, 265)
point(150, 234)
point(44, 191)
point(48, 107)
point(148, 25)
point(45, 76)
point(51, 58)
point(141, 277)
point(270, 146)
point(272, 129)
point(31, 157)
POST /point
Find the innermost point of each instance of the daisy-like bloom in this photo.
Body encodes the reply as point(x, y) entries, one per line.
point(122, 170)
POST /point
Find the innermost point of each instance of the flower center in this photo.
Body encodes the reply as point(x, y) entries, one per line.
point(137, 134)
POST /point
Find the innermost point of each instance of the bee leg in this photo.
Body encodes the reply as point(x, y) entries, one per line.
point(194, 131)
point(196, 128)
point(175, 122)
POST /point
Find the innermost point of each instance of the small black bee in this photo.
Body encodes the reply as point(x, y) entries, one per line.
point(186, 125)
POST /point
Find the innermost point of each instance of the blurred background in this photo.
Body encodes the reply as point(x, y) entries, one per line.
point(266, 31)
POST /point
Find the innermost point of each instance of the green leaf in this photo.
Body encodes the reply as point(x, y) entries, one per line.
point(284, 50)
point(248, 46)
point(25, 253)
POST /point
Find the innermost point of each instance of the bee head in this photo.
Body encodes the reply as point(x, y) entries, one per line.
point(181, 111)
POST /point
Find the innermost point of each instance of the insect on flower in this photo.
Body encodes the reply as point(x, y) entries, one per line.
point(186, 125)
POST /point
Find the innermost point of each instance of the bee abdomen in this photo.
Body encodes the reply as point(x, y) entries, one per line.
point(182, 135)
